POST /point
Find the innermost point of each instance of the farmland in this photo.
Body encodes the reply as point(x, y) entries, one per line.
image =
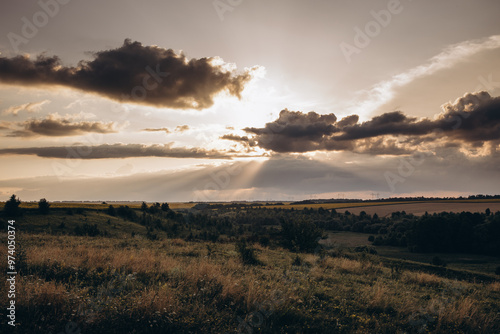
point(420, 208)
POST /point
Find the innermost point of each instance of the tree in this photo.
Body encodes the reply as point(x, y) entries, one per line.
point(488, 211)
point(300, 235)
point(11, 207)
point(165, 207)
point(43, 206)
point(111, 211)
point(144, 207)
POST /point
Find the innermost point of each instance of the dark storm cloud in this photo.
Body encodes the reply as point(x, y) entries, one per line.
point(473, 118)
point(134, 73)
point(57, 127)
point(116, 151)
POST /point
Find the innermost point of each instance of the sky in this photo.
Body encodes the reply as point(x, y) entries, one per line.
point(201, 100)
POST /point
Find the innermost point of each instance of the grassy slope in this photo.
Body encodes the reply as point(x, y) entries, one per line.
point(124, 283)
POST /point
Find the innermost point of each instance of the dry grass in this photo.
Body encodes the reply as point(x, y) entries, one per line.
point(420, 278)
point(177, 280)
point(495, 286)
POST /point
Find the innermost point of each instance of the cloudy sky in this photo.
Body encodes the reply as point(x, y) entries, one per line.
point(248, 100)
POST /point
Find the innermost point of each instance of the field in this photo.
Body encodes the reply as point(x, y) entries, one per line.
point(420, 208)
point(96, 206)
point(131, 278)
point(469, 262)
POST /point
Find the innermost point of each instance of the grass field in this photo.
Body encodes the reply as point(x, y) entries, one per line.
point(363, 206)
point(97, 206)
point(393, 206)
point(419, 208)
point(133, 285)
point(123, 282)
point(471, 262)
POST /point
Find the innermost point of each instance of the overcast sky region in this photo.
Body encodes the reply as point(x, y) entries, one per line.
point(196, 100)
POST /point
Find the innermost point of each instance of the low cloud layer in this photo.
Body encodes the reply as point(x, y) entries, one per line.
point(179, 129)
point(473, 119)
point(54, 126)
point(116, 151)
point(29, 107)
point(133, 73)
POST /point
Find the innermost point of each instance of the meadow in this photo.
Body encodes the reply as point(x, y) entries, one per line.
point(132, 278)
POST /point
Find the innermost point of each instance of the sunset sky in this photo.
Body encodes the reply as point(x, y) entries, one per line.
point(248, 99)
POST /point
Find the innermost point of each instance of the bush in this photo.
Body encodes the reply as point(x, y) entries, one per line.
point(264, 241)
point(365, 249)
point(247, 254)
point(127, 213)
point(111, 211)
point(437, 261)
point(371, 238)
point(87, 229)
point(43, 206)
point(300, 235)
point(297, 261)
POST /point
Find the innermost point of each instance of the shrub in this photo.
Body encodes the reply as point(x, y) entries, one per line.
point(300, 235)
point(247, 254)
point(365, 249)
point(111, 211)
point(87, 229)
point(371, 238)
point(297, 261)
point(437, 261)
point(43, 206)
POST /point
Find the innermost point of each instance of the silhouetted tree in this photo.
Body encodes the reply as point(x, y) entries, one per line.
point(165, 207)
point(43, 206)
point(144, 207)
point(11, 207)
point(111, 211)
point(300, 235)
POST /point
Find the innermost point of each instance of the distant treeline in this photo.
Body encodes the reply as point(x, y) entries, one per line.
point(300, 230)
point(444, 232)
point(395, 199)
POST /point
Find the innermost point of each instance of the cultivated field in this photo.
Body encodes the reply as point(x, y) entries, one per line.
point(419, 208)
